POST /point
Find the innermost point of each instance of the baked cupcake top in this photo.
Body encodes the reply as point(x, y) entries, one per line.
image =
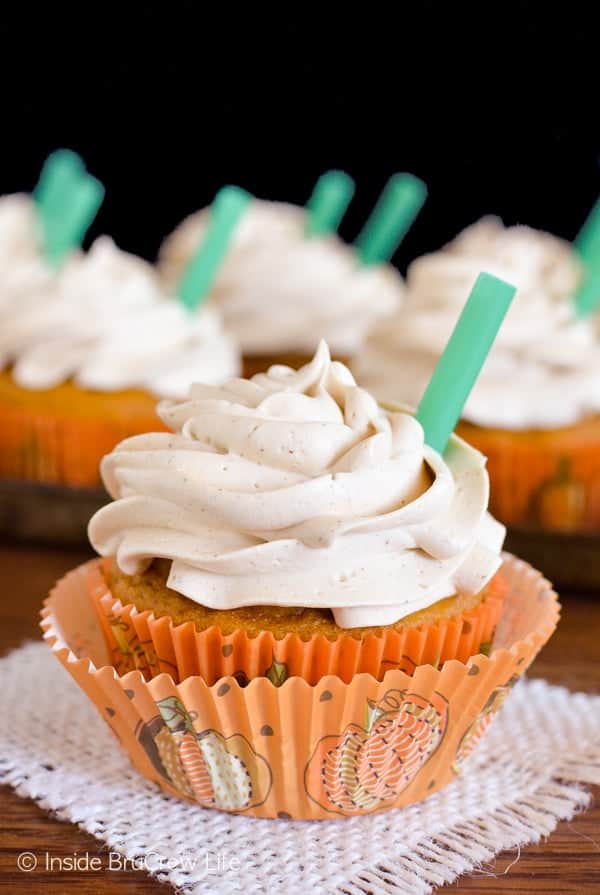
point(104, 321)
point(279, 290)
point(295, 488)
point(544, 368)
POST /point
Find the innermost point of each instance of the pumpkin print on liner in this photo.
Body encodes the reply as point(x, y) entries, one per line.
point(130, 652)
point(559, 503)
point(215, 771)
point(366, 768)
point(478, 727)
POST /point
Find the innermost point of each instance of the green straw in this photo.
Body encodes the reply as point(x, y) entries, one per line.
point(587, 297)
point(228, 206)
point(587, 246)
point(463, 358)
point(328, 203)
point(79, 210)
point(62, 170)
point(587, 241)
point(390, 220)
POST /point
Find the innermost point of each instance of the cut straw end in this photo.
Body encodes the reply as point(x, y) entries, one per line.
point(464, 355)
point(587, 242)
point(228, 206)
point(61, 176)
point(587, 246)
point(80, 207)
point(587, 297)
point(396, 209)
point(328, 203)
point(62, 170)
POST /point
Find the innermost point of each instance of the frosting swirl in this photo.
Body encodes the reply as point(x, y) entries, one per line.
point(544, 368)
point(281, 291)
point(105, 322)
point(22, 265)
point(295, 488)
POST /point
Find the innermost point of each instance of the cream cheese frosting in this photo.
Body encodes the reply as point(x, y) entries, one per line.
point(295, 488)
point(106, 323)
point(22, 265)
point(280, 291)
point(544, 368)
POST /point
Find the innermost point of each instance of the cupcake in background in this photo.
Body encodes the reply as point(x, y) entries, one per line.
point(38, 231)
point(535, 411)
point(83, 360)
point(108, 325)
point(288, 280)
point(303, 611)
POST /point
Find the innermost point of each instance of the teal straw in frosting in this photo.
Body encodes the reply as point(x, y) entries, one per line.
point(67, 200)
point(587, 241)
point(464, 355)
point(587, 297)
point(228, 206)
point(79, 207)
point(62, 170)
point(328, 203)
point(61, 174)
point(396, 209)
point(587, 246)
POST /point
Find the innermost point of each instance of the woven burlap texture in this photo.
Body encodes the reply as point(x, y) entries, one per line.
point(528, 773)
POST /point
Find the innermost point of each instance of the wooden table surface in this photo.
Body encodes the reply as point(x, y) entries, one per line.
point(567, 863)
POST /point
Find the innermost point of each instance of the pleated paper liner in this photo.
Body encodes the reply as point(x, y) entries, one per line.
point(59, 435)
point(138, 640)
point(300, 751)
point(544, 480)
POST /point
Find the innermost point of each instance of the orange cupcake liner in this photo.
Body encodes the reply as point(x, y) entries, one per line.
point(543, 480)
point(303, 751)
point(48, 448)
point(138, 640)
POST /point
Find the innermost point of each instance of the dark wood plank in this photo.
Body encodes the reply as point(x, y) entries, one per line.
point(567, 863)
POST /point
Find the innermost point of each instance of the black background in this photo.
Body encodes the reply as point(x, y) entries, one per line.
point(496, 106)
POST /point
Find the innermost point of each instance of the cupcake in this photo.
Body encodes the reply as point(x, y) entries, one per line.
point(302, 611)
point(280, 290)
point(290, 515)
point(535, 409)
point(84, 357)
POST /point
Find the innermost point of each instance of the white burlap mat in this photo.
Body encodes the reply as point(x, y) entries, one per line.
point(524, 777)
